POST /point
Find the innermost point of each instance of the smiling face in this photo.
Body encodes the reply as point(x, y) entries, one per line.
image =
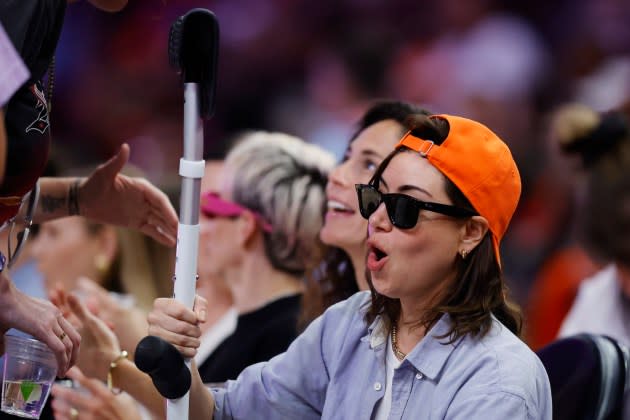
point(419, 262)
point(343, 226)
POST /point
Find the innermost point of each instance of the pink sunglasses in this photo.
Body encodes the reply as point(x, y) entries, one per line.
point(213, 205)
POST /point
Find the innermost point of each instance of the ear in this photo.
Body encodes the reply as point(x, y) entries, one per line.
point(473, 232)
point(247, 228)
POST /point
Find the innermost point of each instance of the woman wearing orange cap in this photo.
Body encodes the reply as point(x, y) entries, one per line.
point(435, 338)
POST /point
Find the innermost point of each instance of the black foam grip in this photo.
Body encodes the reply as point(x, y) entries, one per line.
point(193, 49)
point(165, 365)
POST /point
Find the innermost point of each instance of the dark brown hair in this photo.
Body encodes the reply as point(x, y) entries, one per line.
point(333, 280)
point(478, 291)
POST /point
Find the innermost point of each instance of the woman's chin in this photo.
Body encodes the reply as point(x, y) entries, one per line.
point(337, 236)
point(382, 287)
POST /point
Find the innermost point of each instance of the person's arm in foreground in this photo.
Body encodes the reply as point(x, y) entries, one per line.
point(107, 196)
point(42, 320)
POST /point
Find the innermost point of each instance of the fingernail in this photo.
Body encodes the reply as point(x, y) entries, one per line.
point(202, 315)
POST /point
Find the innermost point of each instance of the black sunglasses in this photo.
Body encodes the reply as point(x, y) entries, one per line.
point(403, 210)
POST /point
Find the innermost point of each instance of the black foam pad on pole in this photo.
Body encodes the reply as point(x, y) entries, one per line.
point(165, 365)
point(193, 50)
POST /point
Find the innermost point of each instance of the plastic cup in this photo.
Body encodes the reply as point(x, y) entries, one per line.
point(30, 368)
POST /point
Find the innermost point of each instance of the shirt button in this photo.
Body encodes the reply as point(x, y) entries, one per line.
point(377, 386)
point(419, 375)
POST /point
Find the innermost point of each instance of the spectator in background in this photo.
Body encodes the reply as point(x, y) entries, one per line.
point(602, 141)
point(264, 221)
point(343, 271)
point(559, 202)
point(221, 316)
point(602, 305)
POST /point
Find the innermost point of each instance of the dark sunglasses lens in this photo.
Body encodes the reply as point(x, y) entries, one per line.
point(403, 211)
point(369, 200)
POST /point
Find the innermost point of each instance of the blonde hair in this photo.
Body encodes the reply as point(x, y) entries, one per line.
point(145, 267)
point(284, 179)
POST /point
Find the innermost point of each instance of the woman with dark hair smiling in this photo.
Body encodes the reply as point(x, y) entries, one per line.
point(435, 338)
point(342, 272)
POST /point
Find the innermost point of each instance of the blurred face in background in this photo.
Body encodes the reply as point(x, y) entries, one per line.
point(218, 249)
point(343, 225)
point(66, 249)
point(209, 279)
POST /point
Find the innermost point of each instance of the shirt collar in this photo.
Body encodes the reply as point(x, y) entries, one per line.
point(430, 355)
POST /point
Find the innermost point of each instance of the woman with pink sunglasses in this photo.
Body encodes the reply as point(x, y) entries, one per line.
point(261, 230)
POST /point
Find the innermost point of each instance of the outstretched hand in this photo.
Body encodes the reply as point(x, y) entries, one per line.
point(108, 196)
point(172, 321)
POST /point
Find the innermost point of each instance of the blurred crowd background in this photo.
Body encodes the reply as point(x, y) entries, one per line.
point(311, 68)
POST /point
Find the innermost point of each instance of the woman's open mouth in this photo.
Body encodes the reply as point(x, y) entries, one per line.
point(376, 258)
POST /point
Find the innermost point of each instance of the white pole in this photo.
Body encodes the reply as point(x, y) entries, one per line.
point(191, 169)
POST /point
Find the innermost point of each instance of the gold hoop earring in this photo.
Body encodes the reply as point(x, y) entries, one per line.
point(463, 253)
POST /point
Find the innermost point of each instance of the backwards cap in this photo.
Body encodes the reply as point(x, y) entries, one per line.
point(480, 164)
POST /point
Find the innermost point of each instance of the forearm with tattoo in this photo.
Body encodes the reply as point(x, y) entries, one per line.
point(53, 203)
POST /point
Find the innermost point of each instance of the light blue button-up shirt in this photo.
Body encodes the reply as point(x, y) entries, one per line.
point(336, 370)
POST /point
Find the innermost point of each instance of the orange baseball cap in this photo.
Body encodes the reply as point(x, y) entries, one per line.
point(480, 164)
